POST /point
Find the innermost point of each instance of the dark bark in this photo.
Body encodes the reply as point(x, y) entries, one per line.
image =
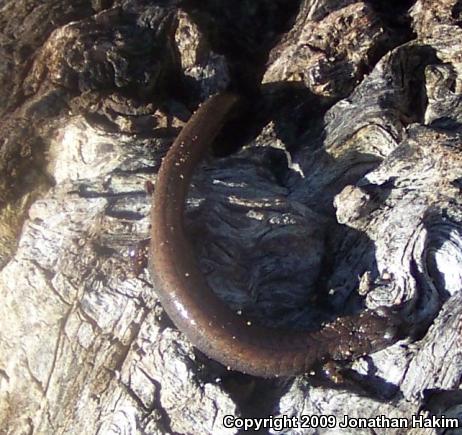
point(345, 195)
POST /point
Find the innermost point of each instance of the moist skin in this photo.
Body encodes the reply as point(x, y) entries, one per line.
point(211, 326)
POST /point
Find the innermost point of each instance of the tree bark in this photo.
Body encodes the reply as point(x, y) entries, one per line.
point(344, 195)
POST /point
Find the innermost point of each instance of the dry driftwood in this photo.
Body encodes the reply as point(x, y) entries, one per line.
point(349, 195)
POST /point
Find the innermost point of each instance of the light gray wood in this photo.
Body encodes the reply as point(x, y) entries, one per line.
point(350, 193)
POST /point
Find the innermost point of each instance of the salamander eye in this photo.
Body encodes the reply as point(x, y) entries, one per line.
point(386, 323)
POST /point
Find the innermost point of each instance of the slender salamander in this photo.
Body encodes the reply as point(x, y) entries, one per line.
point(202, 316)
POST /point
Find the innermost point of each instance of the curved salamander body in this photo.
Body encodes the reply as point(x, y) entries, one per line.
point(195, 309)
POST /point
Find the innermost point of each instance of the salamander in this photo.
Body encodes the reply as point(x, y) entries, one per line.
point(212, 327)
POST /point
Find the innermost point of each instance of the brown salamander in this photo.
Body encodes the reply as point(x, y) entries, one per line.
point(209, 323)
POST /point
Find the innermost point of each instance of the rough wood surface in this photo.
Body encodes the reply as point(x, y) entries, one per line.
point(347, 193)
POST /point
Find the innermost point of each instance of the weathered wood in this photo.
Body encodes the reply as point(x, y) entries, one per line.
point(349, 196)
